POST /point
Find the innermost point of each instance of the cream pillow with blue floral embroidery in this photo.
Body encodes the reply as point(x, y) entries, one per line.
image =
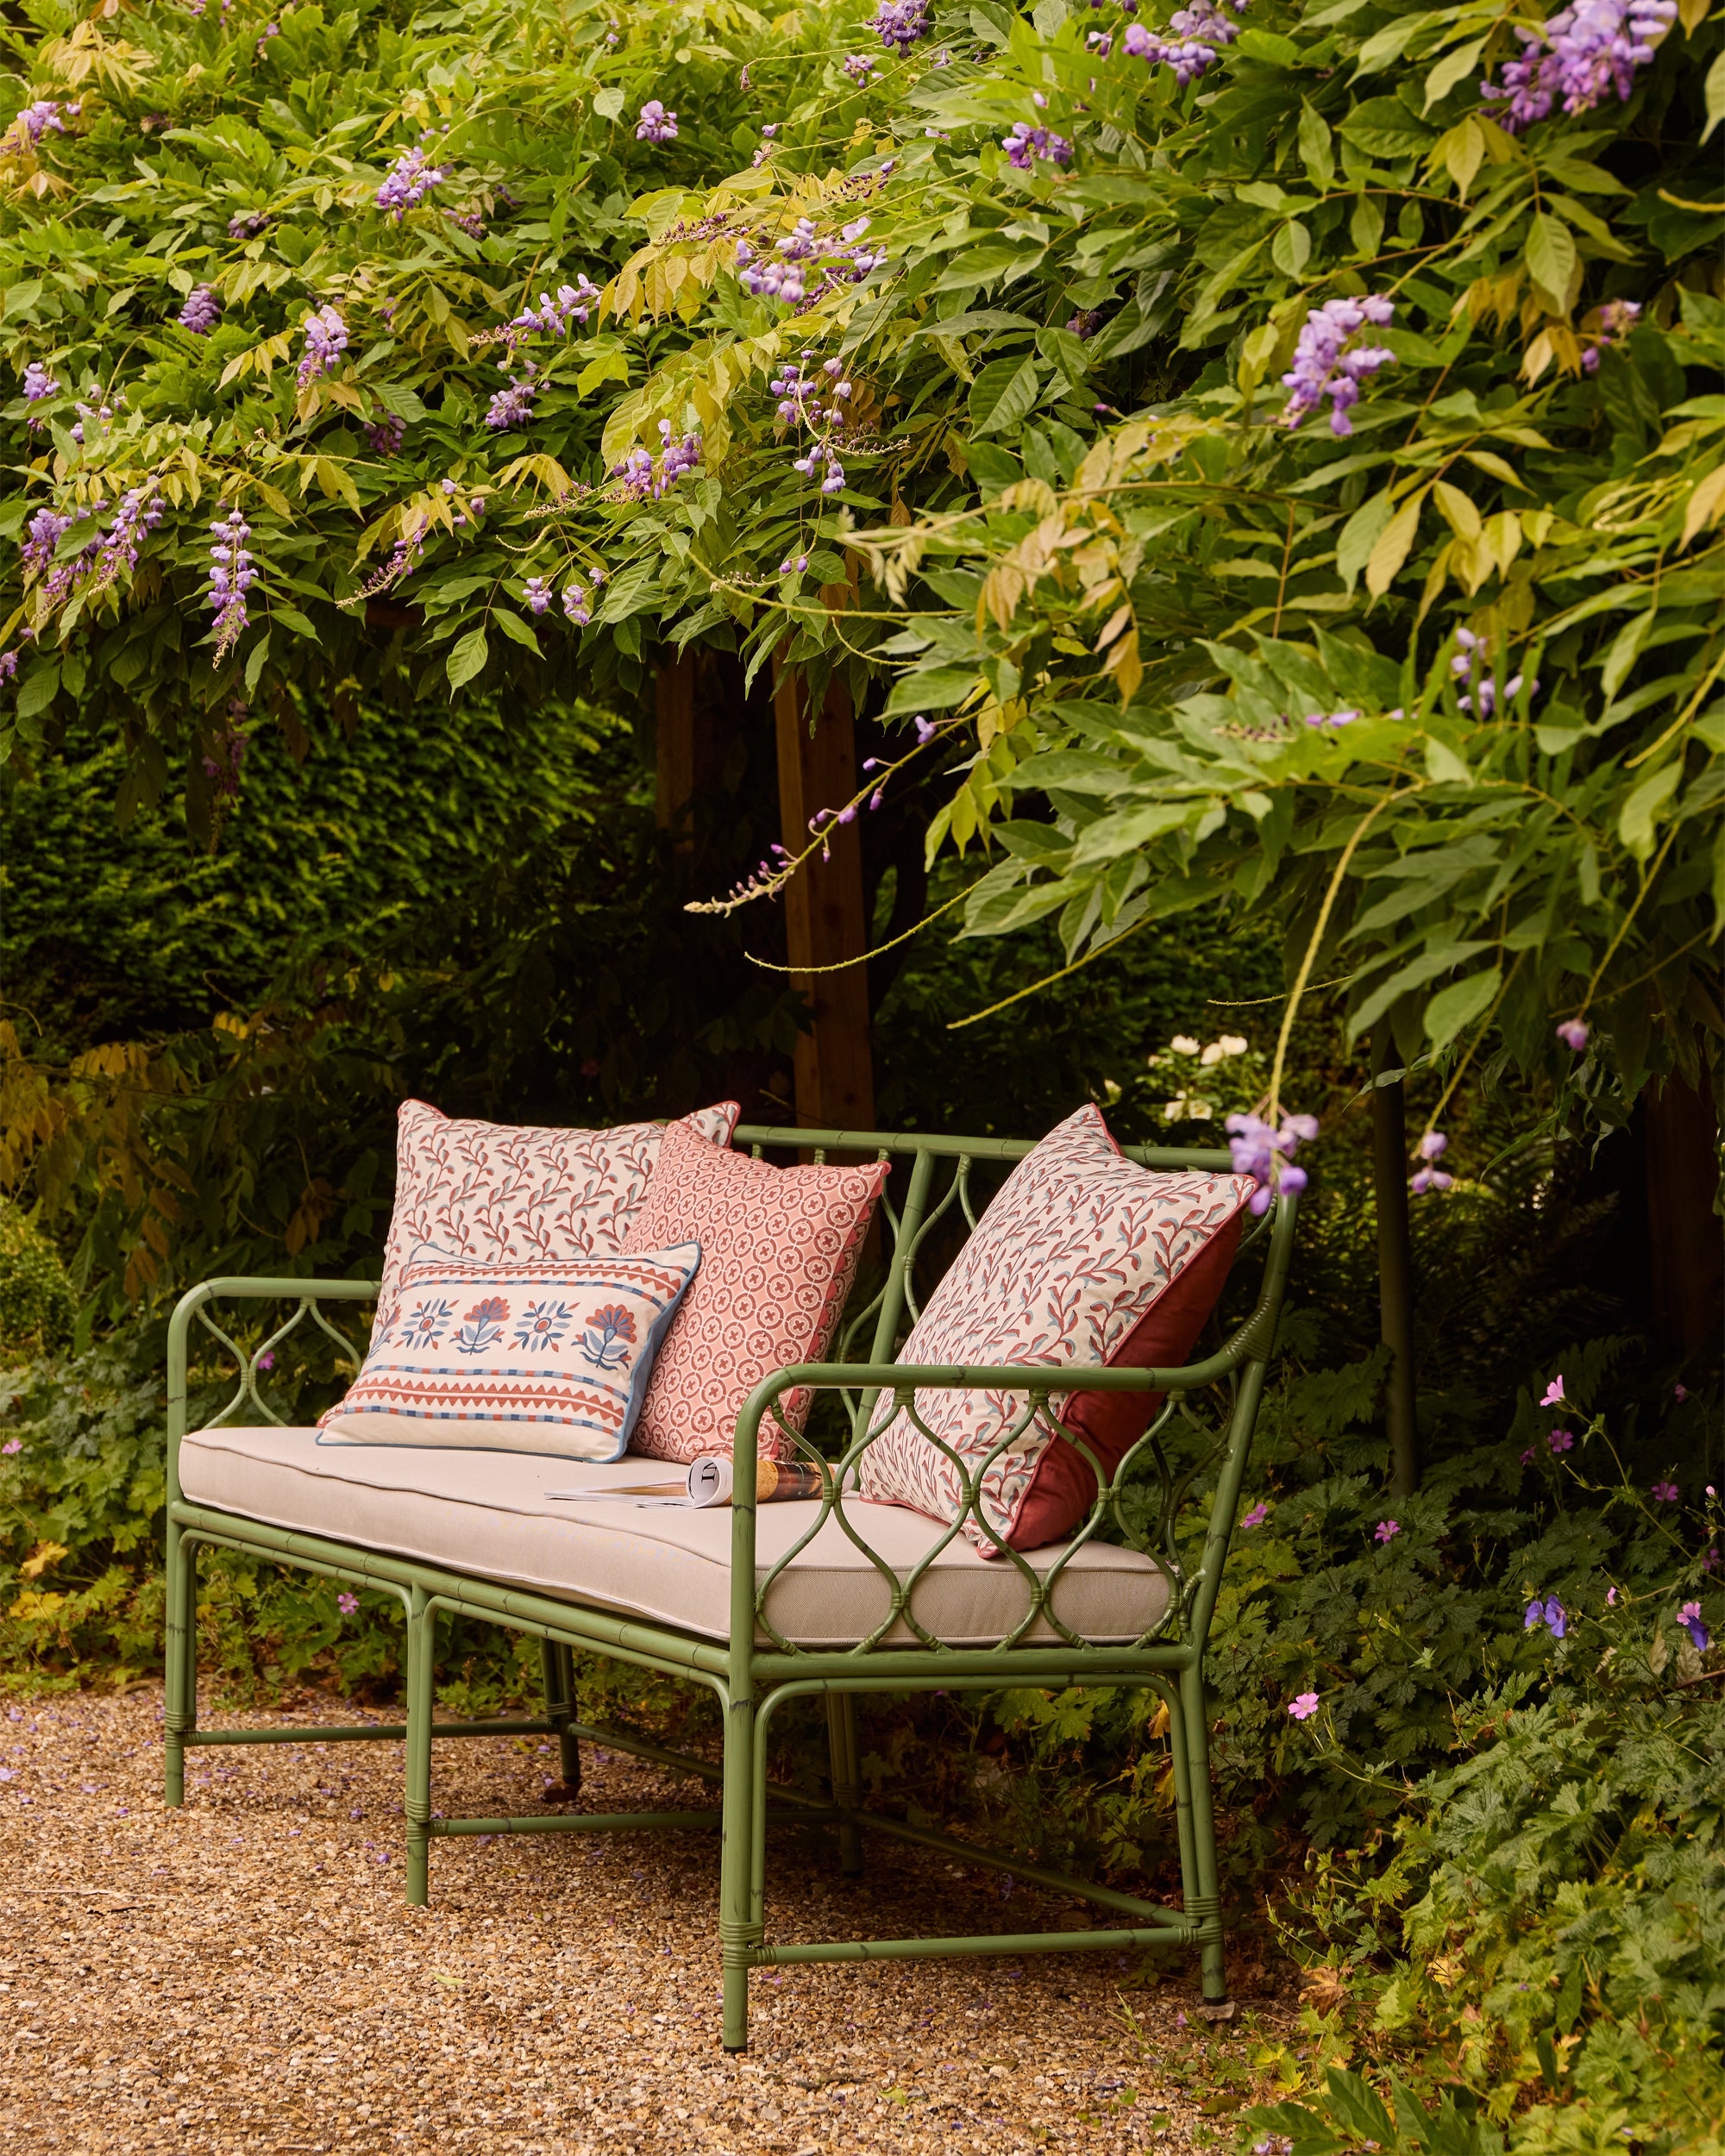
point(516, 1357)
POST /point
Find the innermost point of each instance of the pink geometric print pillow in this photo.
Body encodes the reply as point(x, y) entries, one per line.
point(1082, 1257)
point(542, 1358)
point(779, 1252)
point(491, 1193)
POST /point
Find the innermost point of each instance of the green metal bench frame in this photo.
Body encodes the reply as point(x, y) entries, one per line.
point(751, 1681)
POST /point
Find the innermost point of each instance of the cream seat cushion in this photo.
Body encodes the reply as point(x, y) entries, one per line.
point(487, 1514)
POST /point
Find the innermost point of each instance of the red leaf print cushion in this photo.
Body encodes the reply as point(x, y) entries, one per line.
point(1082, 1257)
point(779, 1252)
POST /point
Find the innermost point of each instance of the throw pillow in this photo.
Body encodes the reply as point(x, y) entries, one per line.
point(516, 1357)
point(778, 1251)
point(1082, 1257)
point(483, 1194)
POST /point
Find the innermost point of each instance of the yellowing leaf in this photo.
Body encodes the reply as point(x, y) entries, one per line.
point(1459, 513)
point(1395, 544)
point(39, 1560)
point(1706, 503)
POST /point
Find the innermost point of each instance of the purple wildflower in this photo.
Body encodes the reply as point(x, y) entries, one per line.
point(1664, 1493)
point(348, 1604)
point(1025, 144)
point(1561, 1441)
point(1326, 364)
point(1617, 317)
point(1689, 1616)
point(326, 340)
point(1572, 1032)
point(1550, 1613)
point(270, 30)
point(656, 124)
point(43, 117)
point(202, 311)
point(537, 594)
point(47, 528)
point(1257, 1516)
point(1263, 1153)
point(1584, 53)
point(513, 407)
point(231, 575)
point(409, 180)
point(267, 1360)
point(1085, 324)
point(900, 22)
point(1387, 1531)
point(1303, 1706)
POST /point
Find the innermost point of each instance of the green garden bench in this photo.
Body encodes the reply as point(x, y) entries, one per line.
point(762, 1603)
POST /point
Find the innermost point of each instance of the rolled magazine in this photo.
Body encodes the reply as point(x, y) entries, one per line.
point(708, 1483)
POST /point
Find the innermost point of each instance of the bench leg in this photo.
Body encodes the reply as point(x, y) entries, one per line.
point(421, 1659)
point(557, 1665)
point(179, 1715)
point(841, 1731)
point(739, 1930)
point(1207, 1903)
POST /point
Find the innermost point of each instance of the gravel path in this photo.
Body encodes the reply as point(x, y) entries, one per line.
point(244, 1975)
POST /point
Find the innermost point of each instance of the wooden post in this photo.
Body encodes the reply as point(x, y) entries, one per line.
point(686, 744)
point(824, 923)
point(1395, 1267)
point(1687, 1265)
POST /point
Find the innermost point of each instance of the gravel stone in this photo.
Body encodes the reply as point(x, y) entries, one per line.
point(243, 1975)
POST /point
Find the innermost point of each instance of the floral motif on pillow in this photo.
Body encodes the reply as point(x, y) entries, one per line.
point(516, 1357)
point(780, 1248)
point(1082, 1257)
point(492, 1193)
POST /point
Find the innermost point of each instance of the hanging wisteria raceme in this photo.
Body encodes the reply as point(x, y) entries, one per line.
point(574, 302)
point(1433, 1147)
point(656, 125)
point(1200, 33)
point(808, 262)
point(409, 180)
point(326, 340)
point(386, 434)
point(513, 407)
point(247, 224)
point(1585, 52)
point(645, 479)
point(1617, 317)
point(42, 536)
point(859, 67)
point(48, 115)
point(900, 23)
point(816, 400)
point(537, 594)
point(1471, 666)
point(1266, 1154)
point(231, 576)
point(38, 383)
point(1327, 365)
point(1025, 144)
point(202, 311)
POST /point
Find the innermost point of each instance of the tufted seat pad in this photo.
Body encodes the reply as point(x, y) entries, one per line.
point(487, 1514)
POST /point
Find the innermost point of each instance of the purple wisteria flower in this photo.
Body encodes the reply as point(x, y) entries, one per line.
point(1689, 1616)
point(1257, 1516)
point(574, 302)
point(248, 224)
point(231, 576)
point(8, 672)
point(48, 115)
point(900, 23)
point(1265, 1154)
point(409, 180)
point(1433, 1147)
point(1327, 364)
point(1025, 144)
point(1200, 32)
point(1330, 722)
point(270, 30)
point(43, 535)
point(645, 479)
point(202, 311)
point(1387, 1531)
point(808, 262)
point(1085, 324)
point(537, 594)
point(576, 605)
point(38, 383)
point(386, 434)
point(513, 407)
point(1470, 665)
point(1551, 1613)
point(807, 399)
point(1617, 317)
point(1573, 1033)
point(326, 340)
point(1303, 1706)
point(859, 67)
point(1586, 51)
point(141, 510)
point(656, 124)
point(1664, 1493)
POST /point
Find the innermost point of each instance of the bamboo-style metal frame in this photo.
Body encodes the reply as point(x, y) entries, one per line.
point(757, 1670)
